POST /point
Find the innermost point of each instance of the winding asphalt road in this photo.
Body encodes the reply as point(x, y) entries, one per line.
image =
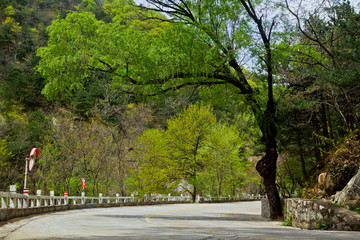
point(181, 221)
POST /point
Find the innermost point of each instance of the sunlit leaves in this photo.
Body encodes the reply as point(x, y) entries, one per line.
point(60, 60)
point(5, 153)
point(193, 146)
point(152, 154)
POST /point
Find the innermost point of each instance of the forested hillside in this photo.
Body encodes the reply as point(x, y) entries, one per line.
point(176, 96)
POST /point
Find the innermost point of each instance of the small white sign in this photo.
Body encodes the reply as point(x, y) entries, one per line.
point(12, 188)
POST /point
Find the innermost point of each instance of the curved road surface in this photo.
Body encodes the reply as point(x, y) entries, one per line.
point(181, 221)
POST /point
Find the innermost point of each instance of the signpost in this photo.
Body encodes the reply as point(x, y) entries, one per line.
point(13, 188)
point(29, 163)
point(83, 180)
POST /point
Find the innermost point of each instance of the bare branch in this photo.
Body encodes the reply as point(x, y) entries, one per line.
point(205, 83)
point(315, 38)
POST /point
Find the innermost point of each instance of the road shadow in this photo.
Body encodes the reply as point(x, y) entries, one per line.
point(222, 217)
point(244, 217)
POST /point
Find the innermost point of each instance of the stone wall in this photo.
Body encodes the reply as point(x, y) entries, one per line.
point(316, 214)
point(265, 208)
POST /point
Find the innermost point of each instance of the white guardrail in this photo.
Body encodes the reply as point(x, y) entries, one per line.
point(15, 200)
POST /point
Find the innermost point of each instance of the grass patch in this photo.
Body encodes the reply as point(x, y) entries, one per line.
point(288, 220)
point(352, 208)
point(321, 226)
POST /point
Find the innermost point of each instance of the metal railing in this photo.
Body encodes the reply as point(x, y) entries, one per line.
point(15, 200)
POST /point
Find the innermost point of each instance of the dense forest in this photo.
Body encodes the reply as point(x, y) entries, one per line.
point(193, 97)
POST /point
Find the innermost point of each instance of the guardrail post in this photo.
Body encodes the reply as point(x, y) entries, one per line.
point(51, 200)
point(38, 199)
point(19, 202)
point(45, 201)
point(132, 197)
point(82, 197)
point(32, 202)
point(3, 202)
point(12, 201)
point(100, 198)
point(169, 195)
point(25, 202)
point(66, 200)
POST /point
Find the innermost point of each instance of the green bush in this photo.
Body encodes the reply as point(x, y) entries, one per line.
point(321, 226)
point(288, 220)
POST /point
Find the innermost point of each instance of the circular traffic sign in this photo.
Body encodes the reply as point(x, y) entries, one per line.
point(33, 154)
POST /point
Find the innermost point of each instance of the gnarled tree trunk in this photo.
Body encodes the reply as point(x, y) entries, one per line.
point(267, 166)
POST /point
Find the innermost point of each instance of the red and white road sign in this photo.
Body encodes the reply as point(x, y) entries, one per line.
point(83, 180)
point(26, 191)
point(65, 194)
point(33, 154)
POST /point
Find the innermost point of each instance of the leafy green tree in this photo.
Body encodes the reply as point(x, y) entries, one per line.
point(326, 55)
point(225, 167)
point(203, 51)
point(319, 90)
point(186, 136)
point(154, 170)
point(195, 154)
point(5, 156)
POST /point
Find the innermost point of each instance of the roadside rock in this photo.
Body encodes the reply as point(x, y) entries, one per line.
point(350, 194)
point(330, 185)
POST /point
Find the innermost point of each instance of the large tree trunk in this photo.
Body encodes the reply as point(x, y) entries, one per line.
point(267, 165)
point(193, 194)
point(267, 170)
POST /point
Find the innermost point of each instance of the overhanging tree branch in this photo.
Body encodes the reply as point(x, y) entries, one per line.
point(205, 83)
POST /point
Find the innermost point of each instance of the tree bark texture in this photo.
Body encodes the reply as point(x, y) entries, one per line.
point(267, 170)
point(267, 165)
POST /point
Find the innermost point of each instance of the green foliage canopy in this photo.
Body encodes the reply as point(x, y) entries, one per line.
point(195, 149)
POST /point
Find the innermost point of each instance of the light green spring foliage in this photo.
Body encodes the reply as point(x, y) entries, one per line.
point(60, 60)
point(152, 152)
point(194, 148)
point(5, 153)
point(226, 165)
point(80, 44)
point(186, 135)
point(126, 46)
